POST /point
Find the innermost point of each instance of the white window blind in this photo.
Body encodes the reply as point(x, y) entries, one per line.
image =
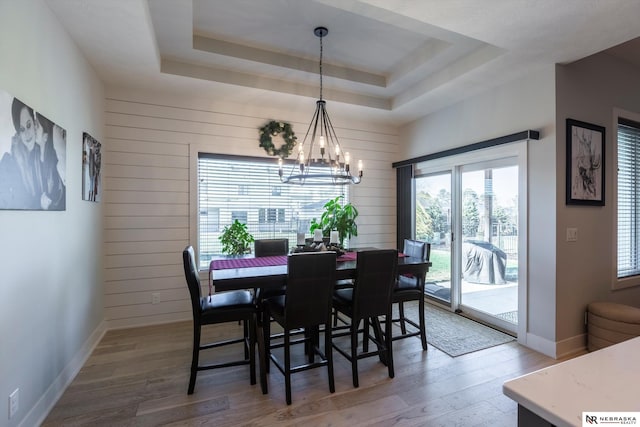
point(249, 189)
point(628, 198)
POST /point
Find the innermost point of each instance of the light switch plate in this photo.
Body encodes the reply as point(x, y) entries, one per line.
point(14, 403)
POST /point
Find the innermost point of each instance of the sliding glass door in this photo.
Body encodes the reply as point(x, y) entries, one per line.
point(433, 224)
point(471, 209)
point(489, 246)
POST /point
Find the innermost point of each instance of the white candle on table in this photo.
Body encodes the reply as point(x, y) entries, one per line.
point(300, 239)
point(334, 237)
point(317, 235)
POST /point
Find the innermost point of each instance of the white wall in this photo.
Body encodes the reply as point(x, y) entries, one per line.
point(51, 296)
point(589, 90)
point(146, 200)
point(527, 103)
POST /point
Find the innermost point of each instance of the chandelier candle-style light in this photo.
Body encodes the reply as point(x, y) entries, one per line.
point(324, 163)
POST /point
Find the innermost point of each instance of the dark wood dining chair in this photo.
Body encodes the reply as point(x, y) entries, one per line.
point(271, 247)
point(306, 305)
point(263, 248)
point(369, 298)
point(411, 288)
point(220, 307)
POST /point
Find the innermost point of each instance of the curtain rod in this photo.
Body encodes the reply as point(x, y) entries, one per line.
point(519, 136)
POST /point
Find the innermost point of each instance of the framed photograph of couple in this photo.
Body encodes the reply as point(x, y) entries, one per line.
point(32, 158)
point(585, 163)
point(91, 163)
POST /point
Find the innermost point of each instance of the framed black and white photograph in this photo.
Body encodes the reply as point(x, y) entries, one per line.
point(91, 161)
point(585, 163)
point(32, 158)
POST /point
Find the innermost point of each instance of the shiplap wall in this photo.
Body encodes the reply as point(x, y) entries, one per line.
point(146, 190)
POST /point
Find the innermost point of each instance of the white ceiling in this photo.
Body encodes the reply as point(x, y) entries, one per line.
point(393, 60)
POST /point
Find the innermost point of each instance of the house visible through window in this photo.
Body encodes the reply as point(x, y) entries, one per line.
point(240, 216)
point(209, 219)
point(628, 206)
point(249, 190)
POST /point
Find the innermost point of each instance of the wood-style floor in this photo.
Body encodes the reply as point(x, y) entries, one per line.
point(138, 377)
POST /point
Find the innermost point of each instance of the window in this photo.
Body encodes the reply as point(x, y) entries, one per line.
point(270, 215)
point(209, 219)
point(240, 216)
point(628, 202)
point(271, 210)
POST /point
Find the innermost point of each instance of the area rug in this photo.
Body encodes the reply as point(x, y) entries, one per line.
point(456, 335)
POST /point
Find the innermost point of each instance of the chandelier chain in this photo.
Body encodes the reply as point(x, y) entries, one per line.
point(321, 67)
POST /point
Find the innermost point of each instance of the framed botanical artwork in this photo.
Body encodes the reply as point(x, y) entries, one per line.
point(585, 163)
point(91, 162)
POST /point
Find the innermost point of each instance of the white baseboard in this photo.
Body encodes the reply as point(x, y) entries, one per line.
point(540, 344)
point(41, 409)
point(571, 346)
point(137, 322)
point(557, 350)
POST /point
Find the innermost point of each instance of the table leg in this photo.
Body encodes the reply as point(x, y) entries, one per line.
point(379, 336)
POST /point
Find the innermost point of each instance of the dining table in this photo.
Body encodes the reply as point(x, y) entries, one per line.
point(234, 272)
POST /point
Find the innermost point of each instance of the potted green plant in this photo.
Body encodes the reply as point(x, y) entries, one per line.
point(337, 217)
point(236, 239)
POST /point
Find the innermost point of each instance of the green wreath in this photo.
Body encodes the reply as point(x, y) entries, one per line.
point(272, 129)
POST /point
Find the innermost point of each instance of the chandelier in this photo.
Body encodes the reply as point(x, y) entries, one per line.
point(324, 162)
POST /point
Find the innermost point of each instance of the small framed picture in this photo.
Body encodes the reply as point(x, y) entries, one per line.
point(91, 162)
point(585, 163)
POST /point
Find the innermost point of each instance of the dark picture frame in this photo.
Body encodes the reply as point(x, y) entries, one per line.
point(585, 163)
point(91, 168)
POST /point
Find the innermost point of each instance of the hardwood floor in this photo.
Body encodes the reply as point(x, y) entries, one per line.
point(138, 377)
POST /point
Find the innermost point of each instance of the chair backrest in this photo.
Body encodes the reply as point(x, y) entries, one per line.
point(376, 272)
point(417, 249)
point(310, 281)
point(193, 280)
point(271, 247)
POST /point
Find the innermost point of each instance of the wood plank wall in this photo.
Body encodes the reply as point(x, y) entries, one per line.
point(146, 190)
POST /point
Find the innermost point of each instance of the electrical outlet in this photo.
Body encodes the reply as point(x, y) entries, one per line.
point(155, 298)
point(14, 403)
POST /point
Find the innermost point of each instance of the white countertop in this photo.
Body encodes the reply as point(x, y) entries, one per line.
point(602, 381)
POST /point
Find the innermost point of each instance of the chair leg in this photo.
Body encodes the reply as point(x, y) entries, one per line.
point(403, 326)
point(423, 330)
point(245, 331)
point(252, 347)
point(261, 356)
point(266, 336)
point(312, 334)
point(365, 335)
point(388, 344)
point(354, 352)
point(287, 365)
point(194, 357)
point(328, 349)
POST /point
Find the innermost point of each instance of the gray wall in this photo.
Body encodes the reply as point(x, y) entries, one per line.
point(51, 296)
point(589, 90)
